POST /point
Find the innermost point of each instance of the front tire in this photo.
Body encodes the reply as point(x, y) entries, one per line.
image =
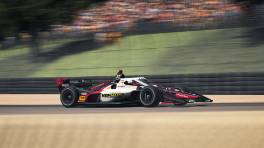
point(150, 97)
point(69, 97)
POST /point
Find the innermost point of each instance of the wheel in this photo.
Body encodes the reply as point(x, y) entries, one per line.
point(150, 96)
point(69, 96)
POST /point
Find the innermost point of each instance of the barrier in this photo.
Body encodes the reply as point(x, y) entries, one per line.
point(223, 83)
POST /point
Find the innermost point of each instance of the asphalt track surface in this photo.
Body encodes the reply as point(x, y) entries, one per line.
point(59, 109)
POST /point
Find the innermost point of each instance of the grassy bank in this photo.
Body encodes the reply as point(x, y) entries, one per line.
point(207, 51)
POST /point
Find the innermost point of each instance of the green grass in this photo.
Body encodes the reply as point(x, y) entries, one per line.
point(18, 50)
point(207, 51)
point(24, 49)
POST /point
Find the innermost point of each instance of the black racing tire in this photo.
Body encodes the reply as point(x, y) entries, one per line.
point(150, 96)
point(69, 96)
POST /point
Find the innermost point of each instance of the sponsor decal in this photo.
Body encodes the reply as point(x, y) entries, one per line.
point(83, 94)
point(112, 95)
point(181, 95)
point(82, 98)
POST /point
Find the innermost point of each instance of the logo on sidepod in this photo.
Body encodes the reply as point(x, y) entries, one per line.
point(112, 95)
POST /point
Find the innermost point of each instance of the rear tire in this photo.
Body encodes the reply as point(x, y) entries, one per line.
point(69, 97)
point(150, 97)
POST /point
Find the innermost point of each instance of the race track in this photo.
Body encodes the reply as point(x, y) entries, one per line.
point(214, 125)
point(59, 109)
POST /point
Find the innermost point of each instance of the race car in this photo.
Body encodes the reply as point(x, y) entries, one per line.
point(136, 90)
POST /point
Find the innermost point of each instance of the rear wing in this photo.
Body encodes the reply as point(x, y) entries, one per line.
point(66, 82)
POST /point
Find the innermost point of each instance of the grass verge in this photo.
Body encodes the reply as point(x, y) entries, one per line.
point(205, 51)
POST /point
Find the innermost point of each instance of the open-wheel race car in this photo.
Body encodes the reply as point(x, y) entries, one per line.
point(135, 90)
